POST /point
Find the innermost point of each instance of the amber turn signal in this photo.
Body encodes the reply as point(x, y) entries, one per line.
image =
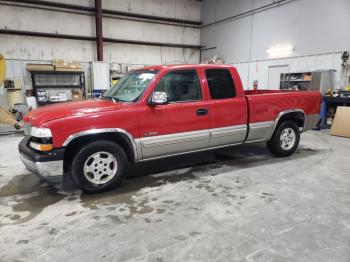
point(41, 147)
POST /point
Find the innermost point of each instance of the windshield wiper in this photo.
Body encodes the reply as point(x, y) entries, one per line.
point(108, 97)
point(119, 100)
point(113, 98)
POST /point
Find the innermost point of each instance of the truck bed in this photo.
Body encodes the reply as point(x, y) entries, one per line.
point(266, 104)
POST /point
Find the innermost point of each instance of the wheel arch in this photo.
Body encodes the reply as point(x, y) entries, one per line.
point(297, 115)
point(120, 136)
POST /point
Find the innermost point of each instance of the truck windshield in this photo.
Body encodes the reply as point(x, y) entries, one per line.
point(131, 86)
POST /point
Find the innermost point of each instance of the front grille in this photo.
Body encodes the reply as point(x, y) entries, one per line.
point(27, 129)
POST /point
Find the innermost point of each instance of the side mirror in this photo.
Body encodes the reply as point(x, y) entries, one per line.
point(159, 98)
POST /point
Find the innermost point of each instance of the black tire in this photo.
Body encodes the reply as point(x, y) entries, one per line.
point(275, 146)
point(85, 153)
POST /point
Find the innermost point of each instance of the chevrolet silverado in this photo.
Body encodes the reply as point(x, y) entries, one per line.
point(161, 111)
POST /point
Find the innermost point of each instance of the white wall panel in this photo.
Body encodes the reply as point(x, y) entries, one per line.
point(213, 11)
point(208, 12)
point(134, 30)
point(311, 26)
point(231, 42)
point(148, 55)
point(181, 9)
point(38, 20)
point(41, 48)
point(242, 69)
point(26, 48)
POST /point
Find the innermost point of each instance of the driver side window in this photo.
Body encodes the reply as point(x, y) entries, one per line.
point(181, 86)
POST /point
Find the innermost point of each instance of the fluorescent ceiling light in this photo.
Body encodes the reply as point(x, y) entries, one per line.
point(280, 50)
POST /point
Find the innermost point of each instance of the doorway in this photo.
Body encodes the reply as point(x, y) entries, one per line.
point(275, 75)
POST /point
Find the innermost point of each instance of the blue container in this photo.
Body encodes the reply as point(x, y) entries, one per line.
point(97, 93)
point(323, 114)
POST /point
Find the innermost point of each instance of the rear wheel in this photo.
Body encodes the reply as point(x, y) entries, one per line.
point(98, 166)
point(285, 139)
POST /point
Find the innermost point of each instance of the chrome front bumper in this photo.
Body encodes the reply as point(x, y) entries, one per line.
point(44, 164)
point(44, 169)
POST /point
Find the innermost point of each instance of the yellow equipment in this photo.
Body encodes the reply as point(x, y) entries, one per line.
point(2, 69)
point(5, 116)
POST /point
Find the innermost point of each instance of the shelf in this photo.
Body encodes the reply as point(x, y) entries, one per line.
point(298, 73)
point(53, 81)
point(59, 86)
point(296, 80)
point(342, 100)
point(57, 72)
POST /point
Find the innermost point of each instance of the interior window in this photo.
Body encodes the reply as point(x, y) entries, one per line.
point(181, 86)
point(220, 83)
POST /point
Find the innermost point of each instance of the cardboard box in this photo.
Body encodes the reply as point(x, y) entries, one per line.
point(341, 122)
point(58, 63)
point(77, 95)
point(39, 67)
point(63, 69)
point(307, 77)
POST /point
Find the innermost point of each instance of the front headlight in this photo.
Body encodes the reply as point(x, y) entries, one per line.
point(40, 132)
point(41, 139)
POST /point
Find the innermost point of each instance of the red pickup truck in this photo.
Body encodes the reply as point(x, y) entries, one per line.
point(161, 111)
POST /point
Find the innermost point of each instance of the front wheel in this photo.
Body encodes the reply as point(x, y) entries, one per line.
point(285, 139)
point(98, 166)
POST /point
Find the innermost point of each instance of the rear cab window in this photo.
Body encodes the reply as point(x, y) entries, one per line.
point(220, 83)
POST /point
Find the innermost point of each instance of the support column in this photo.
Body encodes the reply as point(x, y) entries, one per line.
point(99, 34)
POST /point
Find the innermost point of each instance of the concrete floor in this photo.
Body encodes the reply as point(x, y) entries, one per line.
point(241, 204)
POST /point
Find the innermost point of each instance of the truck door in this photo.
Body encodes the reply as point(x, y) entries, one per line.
point(227, 107)
point(180, 126)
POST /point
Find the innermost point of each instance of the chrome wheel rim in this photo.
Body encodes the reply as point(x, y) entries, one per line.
point(287, 138)
point(100, 168)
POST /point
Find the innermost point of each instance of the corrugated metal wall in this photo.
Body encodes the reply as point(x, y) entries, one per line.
point(20, 50)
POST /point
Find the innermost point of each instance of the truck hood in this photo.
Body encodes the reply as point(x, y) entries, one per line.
point(69, 109)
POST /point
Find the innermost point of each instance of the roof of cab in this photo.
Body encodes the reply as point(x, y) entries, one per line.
point(183, 66)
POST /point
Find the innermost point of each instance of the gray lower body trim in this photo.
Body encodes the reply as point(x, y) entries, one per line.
point(153, 147)
point(260, 131)
point(189, 152)
point(227, 135)
point(311, 121)
point(44, 169)
point(188, 142)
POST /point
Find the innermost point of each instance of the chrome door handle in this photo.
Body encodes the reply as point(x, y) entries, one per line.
point(202, 111)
